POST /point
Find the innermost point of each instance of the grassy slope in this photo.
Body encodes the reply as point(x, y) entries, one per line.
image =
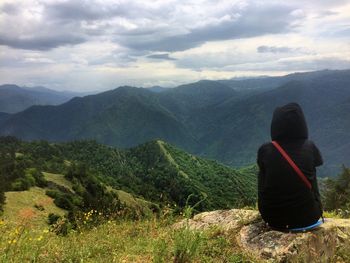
point(126, 241)
point(137, 203)
point(19, 207)
point(58, 179)
point(127, 198)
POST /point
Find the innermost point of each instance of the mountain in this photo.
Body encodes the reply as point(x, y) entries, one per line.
point(122, 117)
point(205, 93)
point(226, 122)
point(15, 99)
point(240, 127)
point(253, 85)
point(3, 117)
point(157, 89)
point(190, 103)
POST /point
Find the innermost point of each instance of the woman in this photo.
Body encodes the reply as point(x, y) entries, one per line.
point(285, 199)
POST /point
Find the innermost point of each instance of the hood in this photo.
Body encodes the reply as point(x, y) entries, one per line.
point(288, 122)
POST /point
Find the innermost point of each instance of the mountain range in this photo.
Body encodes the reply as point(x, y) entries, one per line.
point(15, 99)
point(225, 120)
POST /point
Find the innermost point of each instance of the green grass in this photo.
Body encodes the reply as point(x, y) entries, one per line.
point(124, 241)
point(331, 214)
point(136, 203)
point(58, 179)
point(131, 201)
point(20, 207)
point(167, 154)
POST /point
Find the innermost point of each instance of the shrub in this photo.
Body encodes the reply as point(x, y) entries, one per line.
point(53, 218)
point(39, 207)
point(39, 178)
point(52, 193)
point(64, 201)
point(21, 184)
point(337, 193)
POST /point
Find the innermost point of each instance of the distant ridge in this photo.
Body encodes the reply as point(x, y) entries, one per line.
point(15, 99)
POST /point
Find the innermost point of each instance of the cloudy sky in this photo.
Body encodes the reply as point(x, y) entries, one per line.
point(101, 44)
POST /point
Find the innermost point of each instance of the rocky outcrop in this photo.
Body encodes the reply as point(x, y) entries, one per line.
point(328, 243)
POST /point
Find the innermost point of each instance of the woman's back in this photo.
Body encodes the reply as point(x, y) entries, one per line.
point(284, 199)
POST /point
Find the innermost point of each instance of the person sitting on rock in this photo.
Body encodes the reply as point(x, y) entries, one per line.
point(288, 195)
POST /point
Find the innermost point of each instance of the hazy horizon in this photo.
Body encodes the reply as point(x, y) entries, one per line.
point(90, 92)
point(92, 46)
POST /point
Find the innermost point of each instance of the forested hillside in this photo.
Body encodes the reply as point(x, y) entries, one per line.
point(155, 171)
point(222, 120)
point(239, 127)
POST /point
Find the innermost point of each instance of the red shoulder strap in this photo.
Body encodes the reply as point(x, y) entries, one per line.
point(292, 163)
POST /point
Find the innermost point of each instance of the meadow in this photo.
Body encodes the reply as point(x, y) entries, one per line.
point(147, 240)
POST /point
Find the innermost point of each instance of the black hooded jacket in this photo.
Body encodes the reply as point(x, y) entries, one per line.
point(283, 198)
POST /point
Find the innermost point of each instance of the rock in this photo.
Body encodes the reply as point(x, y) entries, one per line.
point(255, 238)
point(319, 245)
point(225, 219)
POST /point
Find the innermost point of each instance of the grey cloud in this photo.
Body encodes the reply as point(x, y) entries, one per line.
point(273, 49)
point(253, 21)
point(163, 56)
point(39, 34)
point(90, 10)
point(117, 58)
point(10, 9)
point(315, 64)
point(79, 10)
point(40, 42)
point(320, 4)
point(216, 61)
point(62, 25)
point(339, 33)
point(327, 13)
point(11, 62)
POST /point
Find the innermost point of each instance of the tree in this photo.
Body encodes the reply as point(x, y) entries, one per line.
point(337, 191)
